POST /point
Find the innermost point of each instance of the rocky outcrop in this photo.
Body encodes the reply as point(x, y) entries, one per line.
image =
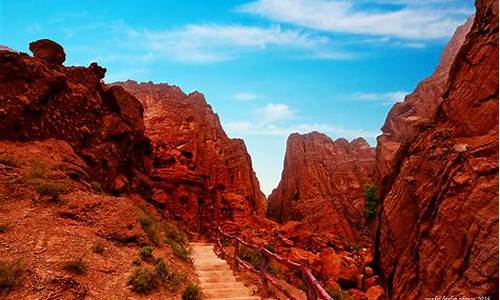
point(322, 184)
point(40, 99)
point(438, 222)
point(408, 118)
point(200, 174)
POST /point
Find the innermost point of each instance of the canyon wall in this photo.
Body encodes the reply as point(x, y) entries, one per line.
point(322, 184)
point(41, 99)
point(437, 166)
point(200, 174)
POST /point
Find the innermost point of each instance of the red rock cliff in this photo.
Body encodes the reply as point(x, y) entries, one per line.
point(322, 184)
point(438, 222)
point(41, 99)
point(201, 175)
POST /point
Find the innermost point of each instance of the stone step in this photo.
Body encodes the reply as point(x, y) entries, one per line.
point(222, 285)
point(217, 280)
point(228, 292)
point(238, 298)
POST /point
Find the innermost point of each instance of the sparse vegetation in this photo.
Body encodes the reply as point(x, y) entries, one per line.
point(9, 160)
point(250, 255)
point(76, 266)
point(356, 247)
point(191, 292)
point(144, 280)
point(338, 294)
point(52, 189)
point(174, 233)
point(370, 201)
point(98, 247)
point(96, 188)
point(177, 241)
point(37, 177)
point(180, 251)
point(146, 252)
point(149, 226)
point(11, 275)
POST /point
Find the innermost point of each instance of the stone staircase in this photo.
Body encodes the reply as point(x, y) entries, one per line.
point(217, 280)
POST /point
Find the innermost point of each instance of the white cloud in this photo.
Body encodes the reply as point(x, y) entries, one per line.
point(382, 98)
point(419, 22)
point(245, 96)
point(275, 112)
point(210, 43)
point(245, 128)
point(280, 120)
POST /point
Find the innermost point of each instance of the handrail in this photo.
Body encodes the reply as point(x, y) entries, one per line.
point(315, 290)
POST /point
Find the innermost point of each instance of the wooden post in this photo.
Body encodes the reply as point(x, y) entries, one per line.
point(236, 254)
point(311, 290)
point(263, 270)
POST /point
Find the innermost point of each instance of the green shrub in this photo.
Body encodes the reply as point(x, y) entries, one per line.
point(96, 187)
point(174, 233)
point(9, 160)
point(76, 266)
point(171, 278)
point(370, 201)
point(149, 226)
point(356, 247)
point(250, 255)
point(38, 169)
point(180, 251)
point(98, 247)
point(146, 252)
point(11, 274)
point(52, 189)
point(143, 280)
point(191, 292)
point(338, 294)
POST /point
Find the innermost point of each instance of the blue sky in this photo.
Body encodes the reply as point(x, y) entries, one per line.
point(267, 67)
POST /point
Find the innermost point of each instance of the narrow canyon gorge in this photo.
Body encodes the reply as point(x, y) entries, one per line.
point(123, 190)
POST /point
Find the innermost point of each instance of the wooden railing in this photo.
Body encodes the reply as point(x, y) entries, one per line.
point(314, 289)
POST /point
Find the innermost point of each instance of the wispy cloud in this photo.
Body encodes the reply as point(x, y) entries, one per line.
point(210, 43)
point(275, 112)
point(245, 96)
point(382, 98)
point(421, 21)
point(246, 128)
point(282, 120)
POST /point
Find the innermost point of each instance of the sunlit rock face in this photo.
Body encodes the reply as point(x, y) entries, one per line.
point(322, 184)
point(200, 174)
point(437, 164)
point(40, 99)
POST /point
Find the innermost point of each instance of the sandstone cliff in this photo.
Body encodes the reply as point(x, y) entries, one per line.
point(322, 184)
point(64, 135)
point(438, 168)
point(200, 174)
point(40, 99)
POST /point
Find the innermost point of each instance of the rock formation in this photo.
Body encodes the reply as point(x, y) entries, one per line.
point(322, 184)
point(408, 118)
point(200, 175)
point(40, 99)
point(437, 162)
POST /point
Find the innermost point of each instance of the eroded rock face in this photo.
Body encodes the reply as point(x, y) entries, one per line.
point(200, 174)
point(438, 227)
point(408, 118)
point(41, 99)
point(322, 184)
